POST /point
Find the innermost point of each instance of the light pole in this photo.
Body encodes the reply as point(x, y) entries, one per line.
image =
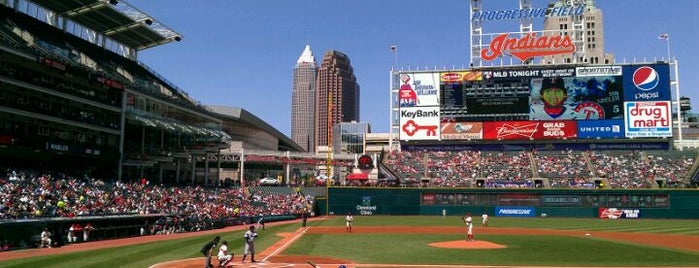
point(666, 37)
point(394, 50)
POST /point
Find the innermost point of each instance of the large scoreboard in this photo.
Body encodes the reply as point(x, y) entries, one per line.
point(536, 103)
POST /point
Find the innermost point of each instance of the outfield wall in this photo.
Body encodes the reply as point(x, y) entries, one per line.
point(648, 203)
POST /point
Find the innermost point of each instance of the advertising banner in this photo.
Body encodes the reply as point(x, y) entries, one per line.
point(560, 200)
point(528, 73)
point(419, 89)
point(648, 119)
point(419, 123)
point(525, 130)
point(598, 71)
point(549, 146)
point(616, 213)
point(58, 147)
point(462, 131)
point(647, 82)
point(605, 129)
point(515, 211)
point(460, 76)
point(576, 98)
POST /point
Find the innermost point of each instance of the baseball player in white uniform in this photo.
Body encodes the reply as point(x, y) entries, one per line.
point(484, 219)
point(469, 225)
point(223, 256)
point(250, 236)
point(348, 222)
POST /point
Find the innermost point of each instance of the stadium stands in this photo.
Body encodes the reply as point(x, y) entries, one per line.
point(562, 169)
point(566, 169)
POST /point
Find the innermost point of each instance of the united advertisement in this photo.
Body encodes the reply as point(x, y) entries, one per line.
point(647, 82)
point(419, 123)
point(601, 129)
point(648, 119)
point(529, 130)
point(419, 89)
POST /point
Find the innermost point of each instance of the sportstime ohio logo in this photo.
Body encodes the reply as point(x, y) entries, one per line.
point(528, 46)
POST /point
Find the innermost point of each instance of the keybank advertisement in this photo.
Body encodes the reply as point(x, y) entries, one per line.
point(592, 129)
point(647, 82)
point(515, 211)
point(419, 123)
point(418, 89)
point(648, 119)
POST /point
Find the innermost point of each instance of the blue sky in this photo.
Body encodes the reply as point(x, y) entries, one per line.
point(241, 53)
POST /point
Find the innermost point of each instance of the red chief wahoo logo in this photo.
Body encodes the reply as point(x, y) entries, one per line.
point(410, 128)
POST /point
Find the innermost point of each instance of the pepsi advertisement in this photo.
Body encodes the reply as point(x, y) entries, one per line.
point(649, 82)
point(605, 129)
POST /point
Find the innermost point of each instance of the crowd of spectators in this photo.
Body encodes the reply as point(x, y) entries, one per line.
point(562, 169)
point(673, 167)
point(507, 169)
point(623, 169)
point(31, 194)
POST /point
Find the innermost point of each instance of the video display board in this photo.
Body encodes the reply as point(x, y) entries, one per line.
point(536, 102)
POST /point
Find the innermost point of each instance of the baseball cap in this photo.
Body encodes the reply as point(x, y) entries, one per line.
point(552, 82)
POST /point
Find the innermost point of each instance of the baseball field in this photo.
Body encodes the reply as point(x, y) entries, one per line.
point(402, 241)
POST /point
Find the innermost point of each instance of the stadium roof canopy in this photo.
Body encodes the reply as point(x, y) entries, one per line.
point(115, 19)
point(242, 116)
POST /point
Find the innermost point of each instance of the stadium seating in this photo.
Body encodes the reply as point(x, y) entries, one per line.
point(672, 167)
point(564, 169)
point(28, 194)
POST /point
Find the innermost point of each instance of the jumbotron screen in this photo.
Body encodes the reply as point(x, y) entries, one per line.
point(535, 103)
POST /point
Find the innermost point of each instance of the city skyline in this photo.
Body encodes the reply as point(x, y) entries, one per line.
point(241, 53)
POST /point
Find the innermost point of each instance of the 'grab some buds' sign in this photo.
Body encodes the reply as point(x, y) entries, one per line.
point(528, 46)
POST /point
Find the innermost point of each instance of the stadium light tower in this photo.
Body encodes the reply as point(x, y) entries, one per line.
point(476, 33)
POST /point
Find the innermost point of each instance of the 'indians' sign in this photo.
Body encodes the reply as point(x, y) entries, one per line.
point(528, 46)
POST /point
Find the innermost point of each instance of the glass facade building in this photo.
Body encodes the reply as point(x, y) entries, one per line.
point(349, 137)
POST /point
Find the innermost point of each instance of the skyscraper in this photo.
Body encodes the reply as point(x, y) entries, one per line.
point(336, 80)
point(303, 101)
point(586, 31)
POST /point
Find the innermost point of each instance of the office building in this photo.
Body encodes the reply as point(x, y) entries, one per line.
point(303, 101)
point(336, 82)
point(586, 31)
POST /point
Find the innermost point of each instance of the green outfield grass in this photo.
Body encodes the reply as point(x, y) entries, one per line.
point(540, 250)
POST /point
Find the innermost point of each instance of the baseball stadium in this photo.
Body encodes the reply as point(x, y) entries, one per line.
point(562, 158)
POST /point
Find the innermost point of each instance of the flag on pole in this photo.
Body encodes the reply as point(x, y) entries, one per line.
point(664, 36)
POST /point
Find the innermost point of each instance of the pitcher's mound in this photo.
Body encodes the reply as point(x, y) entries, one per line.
point(463, 244)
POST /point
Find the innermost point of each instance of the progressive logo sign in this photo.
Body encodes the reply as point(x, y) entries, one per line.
point(647, 82)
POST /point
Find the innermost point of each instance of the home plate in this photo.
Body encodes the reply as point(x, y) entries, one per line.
point(463, 244)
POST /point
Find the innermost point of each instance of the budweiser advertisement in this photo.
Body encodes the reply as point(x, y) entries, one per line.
point(528, 46)
point(618, 213)
point(529, 130)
